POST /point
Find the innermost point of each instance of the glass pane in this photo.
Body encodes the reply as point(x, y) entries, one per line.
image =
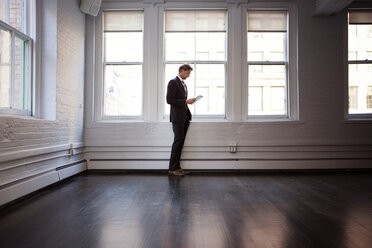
point(359, 94)
point(369, 97)
point(3, 9)
point(123, 20)
point(123, 47)
point(195, 46)
point(210, 46)
point(266, 46)
point(360, 16)
point(255, 98)
point(272, 80)
point(360, 42)
point(188, 20)
point(123, 90)
point(20, 75)
point(277, 98)
point(267, 20)
point(179, 46)
point(5, 62)
point(16, 14)
point(353, 97)
point(209, 82)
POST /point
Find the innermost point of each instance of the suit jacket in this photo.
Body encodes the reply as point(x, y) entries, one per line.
point(176, 97)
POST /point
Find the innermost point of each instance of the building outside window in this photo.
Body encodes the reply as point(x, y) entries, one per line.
point(15, 57)
point(267, 63)
point(369, 97)
point(360, 61)
point(198, 38)
point(122, 64)
point(353, 97)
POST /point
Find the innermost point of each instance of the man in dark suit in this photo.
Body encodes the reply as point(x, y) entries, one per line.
point(180, 117)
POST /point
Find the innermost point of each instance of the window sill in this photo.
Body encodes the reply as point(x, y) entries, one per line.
point(24, 117)
point(357, 120)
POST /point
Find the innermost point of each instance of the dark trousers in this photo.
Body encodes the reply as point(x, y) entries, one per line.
point(179, 130)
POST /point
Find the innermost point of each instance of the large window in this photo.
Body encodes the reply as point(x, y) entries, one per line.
point(15, 57)
point(199, 39)
point(267, 63)
point(122, 64)
point(360, 62)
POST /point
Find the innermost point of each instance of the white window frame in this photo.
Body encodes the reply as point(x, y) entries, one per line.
point(292, 111)
point(192, 63)
point(349, 116)
point(27, 35)
point(153, 70)
point(100, 63)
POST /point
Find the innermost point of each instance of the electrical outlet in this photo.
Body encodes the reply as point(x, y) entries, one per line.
point(233, 147)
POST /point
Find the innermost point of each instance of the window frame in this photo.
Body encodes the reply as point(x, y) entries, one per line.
point(193, 63)
point(292, 109)
point(153, 69)
point(101, 63)
point(347, 114)
point(29, 16)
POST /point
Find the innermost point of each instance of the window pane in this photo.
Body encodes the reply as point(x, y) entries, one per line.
point(3, 10)
point(369, 97)
point(195, 46)
point(209, 80)
point(179, 46)
point(267, 20)
point(210, 46)
point(5, 45)
point(353, 97)
point(360, 80)
point(255, 98)
point(123, 47)
point(123, 20)
point(180, 20)
point(20, 75)
point(123, 90)
point(277, 99)
point(16, 12)
point(266, 46)
point(360, 42)
point(272, 80)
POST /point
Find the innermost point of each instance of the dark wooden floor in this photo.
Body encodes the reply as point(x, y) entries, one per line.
point(200, 210)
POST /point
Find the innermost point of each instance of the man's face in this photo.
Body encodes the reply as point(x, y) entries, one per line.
point(184, 74)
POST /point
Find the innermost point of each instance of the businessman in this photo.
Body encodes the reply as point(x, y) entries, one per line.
point(180, 117)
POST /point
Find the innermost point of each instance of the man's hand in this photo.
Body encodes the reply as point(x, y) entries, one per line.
point(190, 101)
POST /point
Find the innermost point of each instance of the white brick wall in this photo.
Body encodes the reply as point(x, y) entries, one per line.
point(38, 139)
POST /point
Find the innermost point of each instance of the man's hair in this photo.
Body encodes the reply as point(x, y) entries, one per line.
point(185, 67)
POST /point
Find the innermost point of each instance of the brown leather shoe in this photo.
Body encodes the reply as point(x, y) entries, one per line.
point(183, 171)
point(175, 173)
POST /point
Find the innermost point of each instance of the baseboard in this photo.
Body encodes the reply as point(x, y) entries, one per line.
point(294, 164)
point(21, 188)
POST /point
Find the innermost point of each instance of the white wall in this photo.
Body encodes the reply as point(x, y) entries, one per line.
point(33, 152)
point(321, 138)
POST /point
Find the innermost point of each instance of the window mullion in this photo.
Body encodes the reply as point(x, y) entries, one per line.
point(12, 68)
point(7, 14)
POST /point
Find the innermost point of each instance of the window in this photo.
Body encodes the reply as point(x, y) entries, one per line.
point(199, 39)
point(122, 64)
point(15, 57)
point(369, 97)
point(360, 62)
point(353, 97)
point(267, 63)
